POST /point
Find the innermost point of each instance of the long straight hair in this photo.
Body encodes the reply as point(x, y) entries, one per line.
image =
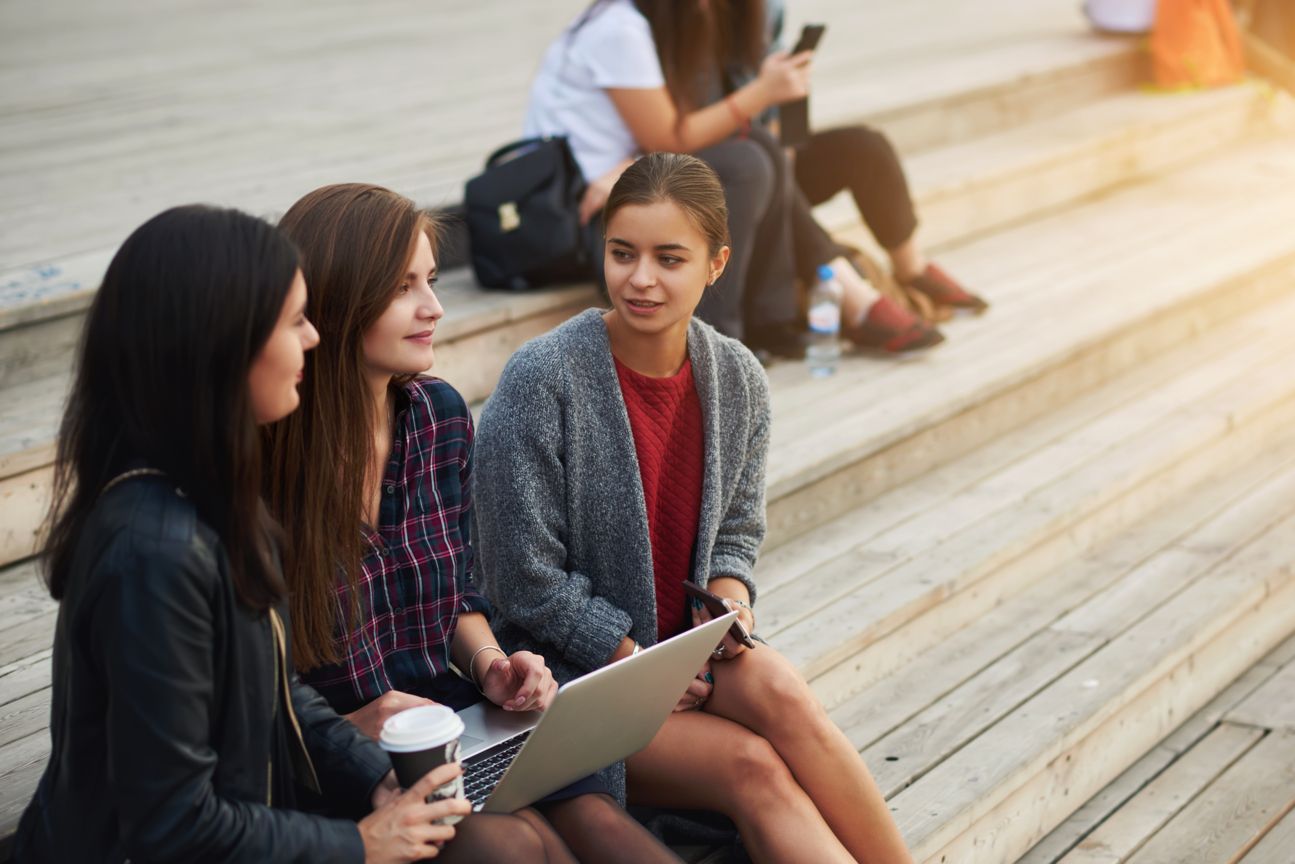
point(161, 380)
point(696, 43)
point(356, 242)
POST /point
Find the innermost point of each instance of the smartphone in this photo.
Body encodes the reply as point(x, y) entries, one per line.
point(715, 606)
point(810, 35)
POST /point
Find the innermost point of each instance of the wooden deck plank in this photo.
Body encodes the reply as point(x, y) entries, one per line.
point(1271, 706)
point(1202, 722)
point(21, 764)
point(976, 502)
point(968, 787)
point(1275, 846)
point(813, 444)
point(1097, 809)
point(941, 729)
point(1162, 799)
point(24, 716)
point(892, 701)
point(878, 608)
point(25, 676)
point(287, 87)
point(1123, 732)
point(1236, 809)
point(1101, 806)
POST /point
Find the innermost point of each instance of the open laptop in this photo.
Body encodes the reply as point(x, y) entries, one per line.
point(511, 760)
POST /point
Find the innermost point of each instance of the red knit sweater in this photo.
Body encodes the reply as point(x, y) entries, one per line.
point(665, 417)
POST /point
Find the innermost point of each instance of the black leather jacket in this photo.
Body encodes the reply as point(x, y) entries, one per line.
point(169, 722)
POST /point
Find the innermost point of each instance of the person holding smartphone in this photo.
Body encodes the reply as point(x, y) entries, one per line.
point(178, 730)
point(621, 458)
point(640, 76)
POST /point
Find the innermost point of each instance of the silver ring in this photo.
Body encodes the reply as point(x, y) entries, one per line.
point(719, 652)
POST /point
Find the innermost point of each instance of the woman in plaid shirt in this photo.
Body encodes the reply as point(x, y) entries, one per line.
point(387, 451)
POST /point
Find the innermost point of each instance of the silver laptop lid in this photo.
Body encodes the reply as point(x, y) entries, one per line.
point(605, 716)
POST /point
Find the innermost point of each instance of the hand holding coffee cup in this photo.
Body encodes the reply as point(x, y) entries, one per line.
point(408, 828)
point(422, 739)
point(370, 718)
point(520, 682)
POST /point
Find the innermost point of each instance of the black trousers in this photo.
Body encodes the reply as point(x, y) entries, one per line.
point(758, 285)
point(861, 160)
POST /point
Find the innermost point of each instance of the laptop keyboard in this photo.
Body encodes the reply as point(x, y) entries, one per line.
point(482, 772)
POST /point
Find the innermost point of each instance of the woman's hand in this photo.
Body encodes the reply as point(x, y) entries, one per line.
point(405, 829)
point(597, 192)
point(370, 718)
point(521, 682)
point(730, 647)
point(387, 789)
point(699, 690)
point(785, 77)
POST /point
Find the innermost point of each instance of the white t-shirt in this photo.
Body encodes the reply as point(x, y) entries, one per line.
point(612, 49)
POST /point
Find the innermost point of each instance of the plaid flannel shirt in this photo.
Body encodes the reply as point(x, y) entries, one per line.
point(417, 570)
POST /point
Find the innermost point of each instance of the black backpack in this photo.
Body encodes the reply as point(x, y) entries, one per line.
point(523, 216)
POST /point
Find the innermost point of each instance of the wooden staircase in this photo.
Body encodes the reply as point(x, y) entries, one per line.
point(1013, 567)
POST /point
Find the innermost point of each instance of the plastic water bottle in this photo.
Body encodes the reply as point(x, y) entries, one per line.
point(824, 324)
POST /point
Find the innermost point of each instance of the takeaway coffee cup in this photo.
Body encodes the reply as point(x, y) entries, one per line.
point(420, 739)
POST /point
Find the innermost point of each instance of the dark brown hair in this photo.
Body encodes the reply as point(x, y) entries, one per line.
point(683, 179)
point(186, 306)
point(697, 42)
point(356, 242)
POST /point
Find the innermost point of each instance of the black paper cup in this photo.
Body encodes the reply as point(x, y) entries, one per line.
point(419, 740)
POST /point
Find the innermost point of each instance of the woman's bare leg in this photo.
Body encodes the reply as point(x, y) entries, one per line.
point(597, 829)
point(761, 690)
point(698, 761)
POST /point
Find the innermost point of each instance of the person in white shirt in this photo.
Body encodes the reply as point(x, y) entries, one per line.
point(603, 86)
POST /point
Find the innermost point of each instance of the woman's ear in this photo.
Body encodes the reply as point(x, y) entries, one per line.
point(717, 264)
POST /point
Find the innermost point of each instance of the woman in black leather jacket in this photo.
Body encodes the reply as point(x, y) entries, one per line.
point(178, 731)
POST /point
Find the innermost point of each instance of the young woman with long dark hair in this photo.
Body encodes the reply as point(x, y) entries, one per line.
point(623, 454)
point(642, 76)
point(179, 732)
point(372, 480)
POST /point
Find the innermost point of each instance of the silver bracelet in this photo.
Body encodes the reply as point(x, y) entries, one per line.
point(472, 663)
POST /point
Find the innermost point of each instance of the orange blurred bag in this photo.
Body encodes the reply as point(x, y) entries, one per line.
point(1195, 43)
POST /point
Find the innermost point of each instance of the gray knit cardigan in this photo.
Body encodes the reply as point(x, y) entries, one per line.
point(562, 534)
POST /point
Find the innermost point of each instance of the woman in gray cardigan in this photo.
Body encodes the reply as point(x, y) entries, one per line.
point(585, 497)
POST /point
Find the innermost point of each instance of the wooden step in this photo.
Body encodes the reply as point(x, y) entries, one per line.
point(259, 109)
point(993, 798)
point(1078, 297)
point(899, 579)
point(1032, 61)
point(1218, 789)
point(975, 187)
point(883, 421)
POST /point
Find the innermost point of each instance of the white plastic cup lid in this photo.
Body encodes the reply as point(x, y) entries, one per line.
point(419, 728)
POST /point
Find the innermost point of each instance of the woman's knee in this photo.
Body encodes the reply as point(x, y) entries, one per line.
point(775, 692)
point(753, 771)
